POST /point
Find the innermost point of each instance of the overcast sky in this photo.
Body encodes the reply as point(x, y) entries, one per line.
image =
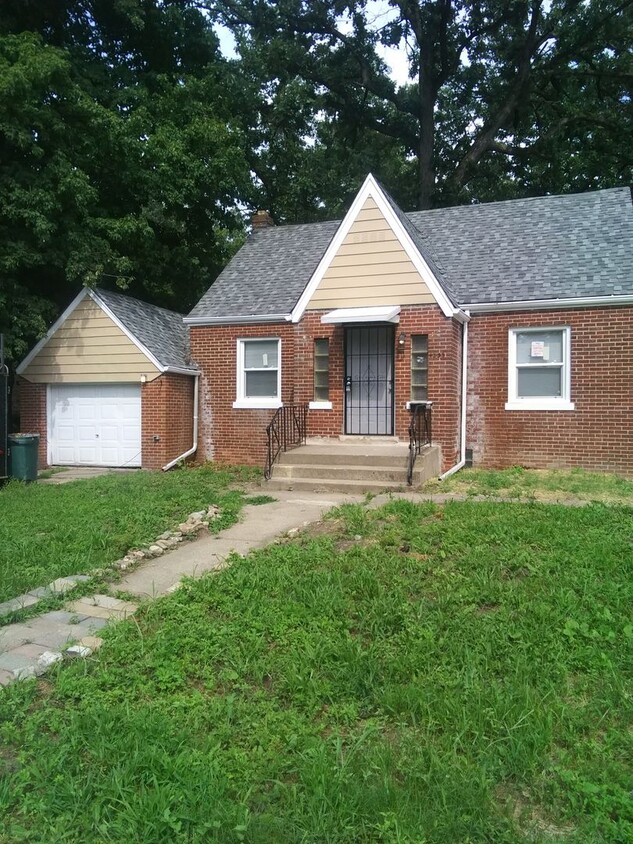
point(380, 13)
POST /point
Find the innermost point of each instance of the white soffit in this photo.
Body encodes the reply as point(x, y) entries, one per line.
point(387, 313)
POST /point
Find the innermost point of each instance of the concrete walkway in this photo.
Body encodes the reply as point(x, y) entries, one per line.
point(66, 474)
point(29, 648)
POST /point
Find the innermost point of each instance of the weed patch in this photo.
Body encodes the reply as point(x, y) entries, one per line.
point(404, 689)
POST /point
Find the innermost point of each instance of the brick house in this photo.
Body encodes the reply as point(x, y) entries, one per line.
point(506, 323)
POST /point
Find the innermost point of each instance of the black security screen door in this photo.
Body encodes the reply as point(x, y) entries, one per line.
point(369, 380)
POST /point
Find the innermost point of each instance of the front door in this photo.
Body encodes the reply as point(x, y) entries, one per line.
point(369, 380)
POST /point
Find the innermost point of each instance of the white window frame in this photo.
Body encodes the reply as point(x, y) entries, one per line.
point(562, 402)
point(262, 402)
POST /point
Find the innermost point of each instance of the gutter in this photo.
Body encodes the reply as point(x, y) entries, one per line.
point(550, 304)
point(194, 447)
point(462, 455)
point(240, 319)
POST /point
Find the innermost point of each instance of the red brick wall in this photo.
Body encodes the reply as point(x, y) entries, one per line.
point(597, 434)
point(445, 364)
point(167, 413)
point(228, 434)
point(33, 416)
point(238, 435)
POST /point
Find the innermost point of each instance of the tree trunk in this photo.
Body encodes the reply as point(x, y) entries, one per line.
point(426, 163)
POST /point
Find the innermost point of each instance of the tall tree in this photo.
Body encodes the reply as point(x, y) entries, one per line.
point(506, 96)
point(121, 163)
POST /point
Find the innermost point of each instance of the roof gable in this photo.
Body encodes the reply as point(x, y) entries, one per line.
point(373, 219)
point(158, 334)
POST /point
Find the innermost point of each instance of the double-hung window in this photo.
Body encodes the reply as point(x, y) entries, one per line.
point(258, 373)
point(539, 374)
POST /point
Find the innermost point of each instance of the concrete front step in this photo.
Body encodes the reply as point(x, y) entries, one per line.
point(356, 468)
point(352, 472)
point(342, 454)
point(332, 485)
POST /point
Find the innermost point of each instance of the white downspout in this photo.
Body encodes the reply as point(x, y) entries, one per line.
point(194, 447)
point(462, 455)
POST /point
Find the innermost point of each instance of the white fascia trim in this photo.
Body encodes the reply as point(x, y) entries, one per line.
point(181, 370)
point(371, 189)
point(382, 313)
point(549, 304)
point(95, 297)
point(244, 319)
point(58, 322)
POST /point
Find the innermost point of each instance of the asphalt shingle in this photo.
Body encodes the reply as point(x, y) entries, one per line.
point(553, 247)
point(162, 332)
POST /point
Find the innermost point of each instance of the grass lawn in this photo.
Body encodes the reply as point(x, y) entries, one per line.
point(539, 484)
point(48, 531)
point(411, 674)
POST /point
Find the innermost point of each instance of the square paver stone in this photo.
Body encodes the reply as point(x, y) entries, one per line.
point(61, 617)
point(19, 603)
point(110, 603)
point(89, 625)
point(30, 651)
point(14, 635)
point(89, 609)
point(14, 663)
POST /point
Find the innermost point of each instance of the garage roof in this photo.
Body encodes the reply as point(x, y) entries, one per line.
point(159, 331)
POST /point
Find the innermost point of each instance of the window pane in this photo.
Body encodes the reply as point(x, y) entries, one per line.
point(261, 384)
point(419, 342)
point(322, 346)
point(321, 369)
point(419, 367)
point(541, 381)
point(261, 354)
point(539, 346)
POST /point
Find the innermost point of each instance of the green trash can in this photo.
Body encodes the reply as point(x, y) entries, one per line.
point(23, 450)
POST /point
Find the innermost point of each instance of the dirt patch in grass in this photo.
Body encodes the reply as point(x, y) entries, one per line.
point(542, 485)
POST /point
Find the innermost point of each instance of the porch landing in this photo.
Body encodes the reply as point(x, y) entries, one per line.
point(353, 464)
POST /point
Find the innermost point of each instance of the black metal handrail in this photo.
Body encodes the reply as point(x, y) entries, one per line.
point(419, 433)
point(287, 430)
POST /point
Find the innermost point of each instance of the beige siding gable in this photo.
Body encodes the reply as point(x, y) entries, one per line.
point(370, 268)
point(87, 348)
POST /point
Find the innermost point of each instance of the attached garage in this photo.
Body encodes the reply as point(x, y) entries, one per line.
point(100, 388)
point(94, 424)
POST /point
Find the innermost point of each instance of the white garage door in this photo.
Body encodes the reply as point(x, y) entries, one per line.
point(95, 425)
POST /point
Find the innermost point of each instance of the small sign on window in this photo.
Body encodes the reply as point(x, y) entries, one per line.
point(537, 349)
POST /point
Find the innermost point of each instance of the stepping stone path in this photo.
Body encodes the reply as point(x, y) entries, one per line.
point(31, 648)
point(57, 587)
point(28, 649)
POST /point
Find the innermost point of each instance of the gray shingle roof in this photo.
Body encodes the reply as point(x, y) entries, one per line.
point(526, 249)
point(269, 273)
point(542, 248)
point(162, 332)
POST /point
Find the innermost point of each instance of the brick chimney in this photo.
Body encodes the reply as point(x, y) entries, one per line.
point(261, 220)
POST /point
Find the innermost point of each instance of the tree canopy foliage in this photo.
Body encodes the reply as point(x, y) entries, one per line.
point(505, 97)
point(120, 160)
point(130, 145)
